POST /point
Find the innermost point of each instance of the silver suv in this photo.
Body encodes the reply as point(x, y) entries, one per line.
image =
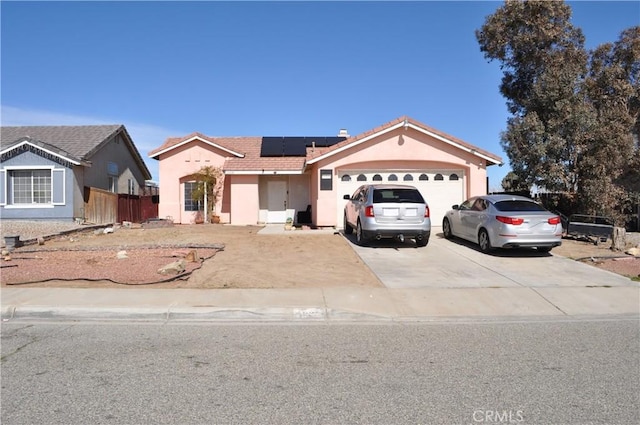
point(387, 211)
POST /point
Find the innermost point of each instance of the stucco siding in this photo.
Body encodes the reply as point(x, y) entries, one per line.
point(176, 167)
point(117, 152)
point(245, 199)
point(61, 207)
point(77, 174)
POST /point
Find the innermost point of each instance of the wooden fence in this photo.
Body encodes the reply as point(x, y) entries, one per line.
point(104, 207)
point(100, 206)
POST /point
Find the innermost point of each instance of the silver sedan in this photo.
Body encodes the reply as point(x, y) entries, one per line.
point(503, 221)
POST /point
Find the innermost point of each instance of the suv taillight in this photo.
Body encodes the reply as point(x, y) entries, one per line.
point(426, 211)
point(368, 212)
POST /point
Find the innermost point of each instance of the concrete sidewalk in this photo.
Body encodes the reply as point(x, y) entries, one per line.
point(320, 304)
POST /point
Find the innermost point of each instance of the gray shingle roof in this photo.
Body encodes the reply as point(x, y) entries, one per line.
point(80, 141)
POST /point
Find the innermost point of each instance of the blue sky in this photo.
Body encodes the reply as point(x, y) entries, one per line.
point(263, 68)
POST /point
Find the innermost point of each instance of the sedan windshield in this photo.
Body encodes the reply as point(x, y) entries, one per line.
point(514, 205)
point(397, 195)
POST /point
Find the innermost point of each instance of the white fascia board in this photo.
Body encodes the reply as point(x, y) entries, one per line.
point(264, 172)
point(356, 143)
point(452, 143)
point(184, 142)
point(42, 149)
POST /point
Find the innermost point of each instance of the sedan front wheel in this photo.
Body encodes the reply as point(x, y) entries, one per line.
point(347, 228)
point(446, 229)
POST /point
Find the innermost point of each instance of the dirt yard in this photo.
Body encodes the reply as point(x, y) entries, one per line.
point(227, 257)
point(236, 257)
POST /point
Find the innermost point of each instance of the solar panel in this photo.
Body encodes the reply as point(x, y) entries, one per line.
point(272, 146)
point(294, 146)
point(324, 141)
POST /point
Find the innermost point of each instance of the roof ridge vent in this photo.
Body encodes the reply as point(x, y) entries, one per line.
point(343, 133)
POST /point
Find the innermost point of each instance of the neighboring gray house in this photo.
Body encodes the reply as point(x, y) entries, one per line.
point(45, 170)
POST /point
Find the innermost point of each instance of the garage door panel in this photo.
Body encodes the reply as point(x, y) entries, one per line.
point(439, 194)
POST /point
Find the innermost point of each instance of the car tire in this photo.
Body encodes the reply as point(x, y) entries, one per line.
point(484, 242)
point(422, 242)
point(360, 239)
point(347, 228)
point(446, 229)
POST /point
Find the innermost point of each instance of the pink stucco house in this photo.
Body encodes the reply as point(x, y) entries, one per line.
point(269, 179)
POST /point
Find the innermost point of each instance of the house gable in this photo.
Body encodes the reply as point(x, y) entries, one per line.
point(45, 150)
point(404, 123)
point(175, 143)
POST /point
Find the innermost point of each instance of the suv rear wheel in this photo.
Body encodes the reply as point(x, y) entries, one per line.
point(360, 239)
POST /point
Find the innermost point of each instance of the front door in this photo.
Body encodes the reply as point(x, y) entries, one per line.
point(277, 202)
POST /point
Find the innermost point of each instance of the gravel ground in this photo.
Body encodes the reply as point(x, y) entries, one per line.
point(34, 229)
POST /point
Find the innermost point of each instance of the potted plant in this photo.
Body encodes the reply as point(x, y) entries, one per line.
point(210, 180)
point(288, 225)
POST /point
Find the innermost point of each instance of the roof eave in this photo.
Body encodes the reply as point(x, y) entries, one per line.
point(471, 150)
point(355, 143)
point(136, 153)
point(67, 158)
point(263, 172)
point(156, 155)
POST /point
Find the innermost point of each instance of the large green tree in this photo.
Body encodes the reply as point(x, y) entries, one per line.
point(573, 112)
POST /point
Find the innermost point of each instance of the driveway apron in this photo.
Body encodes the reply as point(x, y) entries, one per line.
point(458, 264)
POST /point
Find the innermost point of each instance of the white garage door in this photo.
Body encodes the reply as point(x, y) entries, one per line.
point(440, 188)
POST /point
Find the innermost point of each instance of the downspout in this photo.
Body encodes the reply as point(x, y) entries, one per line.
point(206, 206)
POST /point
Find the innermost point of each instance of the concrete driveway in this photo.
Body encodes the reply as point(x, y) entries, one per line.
point(459, 264)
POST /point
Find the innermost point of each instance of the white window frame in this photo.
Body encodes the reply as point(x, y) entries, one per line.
point(9, 202)
point(131, 186)
point(113, 183)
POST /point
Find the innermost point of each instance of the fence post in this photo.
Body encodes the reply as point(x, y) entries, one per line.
point(619, 241)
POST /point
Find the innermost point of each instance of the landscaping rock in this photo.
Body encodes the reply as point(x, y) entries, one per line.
point(633, 251)
point(189, 255)
point(174, 268)
point(121, 255)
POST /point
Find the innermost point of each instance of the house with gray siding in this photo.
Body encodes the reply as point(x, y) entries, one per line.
point(46, 170)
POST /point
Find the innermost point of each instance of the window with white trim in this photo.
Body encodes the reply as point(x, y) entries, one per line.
point(113, 184)
point(31, 186)
point(191, 204)
point(131, 187)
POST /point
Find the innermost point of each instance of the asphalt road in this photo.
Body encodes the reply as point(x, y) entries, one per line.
point(538, 372)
